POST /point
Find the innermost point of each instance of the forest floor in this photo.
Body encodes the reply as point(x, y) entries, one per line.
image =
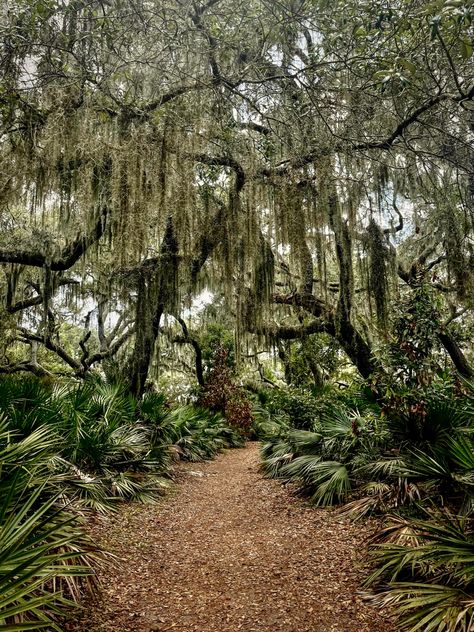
point(231, 551)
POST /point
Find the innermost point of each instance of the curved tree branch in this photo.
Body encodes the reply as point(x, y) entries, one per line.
point(188, 339)
point(69, 254)
point(384, 144)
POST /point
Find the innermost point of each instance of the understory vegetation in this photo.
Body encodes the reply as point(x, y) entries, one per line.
point(412, 465)
point(398, 447)
point(67, 449)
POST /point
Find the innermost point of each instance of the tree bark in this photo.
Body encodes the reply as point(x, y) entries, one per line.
point(340, 328)
point(186, 338)
point(157, 291)
point(455, 353)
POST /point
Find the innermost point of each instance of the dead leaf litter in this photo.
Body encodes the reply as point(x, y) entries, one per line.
point(230, 551)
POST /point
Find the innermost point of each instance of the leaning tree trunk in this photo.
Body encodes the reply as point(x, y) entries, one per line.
point(455, 353)
point(146, 312)
point(346, 334)
point(356, 348)
point(157, 292)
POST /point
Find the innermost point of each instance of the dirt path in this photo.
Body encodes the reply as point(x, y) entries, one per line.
point(232, 551)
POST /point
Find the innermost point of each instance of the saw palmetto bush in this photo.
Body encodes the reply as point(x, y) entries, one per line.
point(46, 560)
point(265, 425)
point(27, 404)
point(425, 572)
point(432, 463)
point(107, 444)
point(109, 447)
point(71, 447)
point(427, 459)
point(197, 434)
point(386, 460)
point(399, 462)
point(325, 462)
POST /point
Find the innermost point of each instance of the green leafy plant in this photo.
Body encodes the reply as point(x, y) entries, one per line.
point(198, 434)
point(46, 560)
point(425, 571)
point(265, 425)
point(323, 463)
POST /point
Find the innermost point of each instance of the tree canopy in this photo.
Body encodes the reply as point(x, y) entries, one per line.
point(307, 163)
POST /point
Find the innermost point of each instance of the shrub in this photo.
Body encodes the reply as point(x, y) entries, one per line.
point(298, 405)
point(425, 572)
point(266, 426)
point(79, 444)
point(222, 395)
point(45, 557)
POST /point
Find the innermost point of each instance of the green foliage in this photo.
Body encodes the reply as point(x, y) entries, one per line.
point(213, 340)
point(325, 462)
point(311, 361)
point(415, 336)
point(387, 460)
point(408, 457)
point(198, 434)
point(103, 450)
point(408, 363)
point(306, 408)
point(108, 447)
point(74, 445)
point(425, 571)
point(41, 541)
point(297, 404)
point(265, 425)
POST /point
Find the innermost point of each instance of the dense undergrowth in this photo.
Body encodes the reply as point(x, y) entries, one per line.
point(413, 464)
point(65, 450)
point(70, 448)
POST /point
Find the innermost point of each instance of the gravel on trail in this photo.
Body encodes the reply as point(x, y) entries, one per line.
point(230, 551)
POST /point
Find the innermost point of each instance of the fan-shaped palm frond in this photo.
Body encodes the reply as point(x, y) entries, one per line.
point(384, 467)
point(429, 573)
point(433, 467)
point(326, 481)
point(336, 486)
point(197, 433)
point(305, 441)
point(41, 544)
point(429, 607)
point(275, 454)
point(461, 452)
point(266, 425)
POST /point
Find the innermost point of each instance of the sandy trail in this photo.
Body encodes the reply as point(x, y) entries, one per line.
point(231, 551)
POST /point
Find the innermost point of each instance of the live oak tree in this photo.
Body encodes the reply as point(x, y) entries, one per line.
point(308, 160)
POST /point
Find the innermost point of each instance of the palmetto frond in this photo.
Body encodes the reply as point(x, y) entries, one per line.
point(384, 467)
point(265, 426)
point(304, 468)
point(275, 455)
point(40, 542)
point(305, 441)
point(430, 573)
point(381, 497)
point(326, 481)
point(461, 452)
point(78, 446)
point(335, 487)
point(427, 466)
point(429, 607)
